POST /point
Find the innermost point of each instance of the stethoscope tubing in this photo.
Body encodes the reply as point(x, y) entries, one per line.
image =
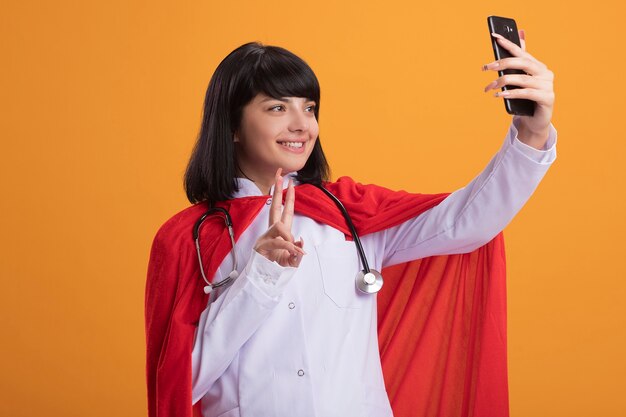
point(368, 280)
point(196, 237)
point(355, 235)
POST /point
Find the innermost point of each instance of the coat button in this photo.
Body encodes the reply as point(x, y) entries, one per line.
point(292, 306)
point(268, 202)
point(300, 372)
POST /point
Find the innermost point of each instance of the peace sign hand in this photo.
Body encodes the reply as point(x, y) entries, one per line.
point(277, 244)
point(536, 85)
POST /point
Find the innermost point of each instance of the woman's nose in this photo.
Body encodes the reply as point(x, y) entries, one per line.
point(298, 121)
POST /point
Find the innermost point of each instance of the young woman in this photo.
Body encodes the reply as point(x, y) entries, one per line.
point(291, 334)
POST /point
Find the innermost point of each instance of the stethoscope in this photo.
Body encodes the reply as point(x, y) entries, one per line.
point(368, 280)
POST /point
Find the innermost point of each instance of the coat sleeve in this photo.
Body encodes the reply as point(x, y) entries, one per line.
point(229, 321)
point(473, 215)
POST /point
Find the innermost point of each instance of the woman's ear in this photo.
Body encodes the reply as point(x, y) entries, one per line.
point(235, 136)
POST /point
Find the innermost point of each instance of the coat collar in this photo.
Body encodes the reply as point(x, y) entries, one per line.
point(248, 188)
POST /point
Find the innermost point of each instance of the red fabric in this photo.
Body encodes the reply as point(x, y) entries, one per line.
point(441, 320)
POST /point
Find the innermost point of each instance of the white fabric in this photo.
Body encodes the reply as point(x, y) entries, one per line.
point(284, 341)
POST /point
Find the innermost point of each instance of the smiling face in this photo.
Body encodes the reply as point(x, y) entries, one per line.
point(275, 133)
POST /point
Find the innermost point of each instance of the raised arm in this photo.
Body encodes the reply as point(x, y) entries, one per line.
point(473, 215)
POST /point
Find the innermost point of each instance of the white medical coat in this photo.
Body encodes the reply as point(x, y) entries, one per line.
point(303, 342)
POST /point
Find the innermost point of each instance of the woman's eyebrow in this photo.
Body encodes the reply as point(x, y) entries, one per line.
point(283, 99)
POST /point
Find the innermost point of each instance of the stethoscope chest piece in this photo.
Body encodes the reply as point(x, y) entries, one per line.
point(369, 282)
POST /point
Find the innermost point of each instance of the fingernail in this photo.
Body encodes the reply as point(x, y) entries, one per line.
point(491, 65)
point(501, 94)
point(497, 35)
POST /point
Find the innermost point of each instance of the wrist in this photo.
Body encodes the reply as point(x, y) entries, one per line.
point(533, 138)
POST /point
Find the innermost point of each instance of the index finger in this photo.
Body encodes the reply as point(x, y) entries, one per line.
point(277, 198)
point(512, 47)
point(290, 198)
point(515, 50)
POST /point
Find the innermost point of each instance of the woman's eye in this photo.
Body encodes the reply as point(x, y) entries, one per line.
point(280, 106)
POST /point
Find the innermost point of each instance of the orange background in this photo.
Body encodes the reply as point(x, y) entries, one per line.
point(101, 105)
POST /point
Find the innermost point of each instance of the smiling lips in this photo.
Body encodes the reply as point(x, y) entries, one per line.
point(296, 146)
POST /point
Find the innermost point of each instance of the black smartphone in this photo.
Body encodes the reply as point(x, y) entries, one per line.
point(506, 27)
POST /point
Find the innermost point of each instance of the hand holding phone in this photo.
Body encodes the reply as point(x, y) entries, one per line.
point(508, 28)
point(524, 79)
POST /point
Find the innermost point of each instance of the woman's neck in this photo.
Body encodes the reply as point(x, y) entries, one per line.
point(263, 184)
point(265, 189)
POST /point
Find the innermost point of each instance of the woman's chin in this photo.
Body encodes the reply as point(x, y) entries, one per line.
point(289, 166)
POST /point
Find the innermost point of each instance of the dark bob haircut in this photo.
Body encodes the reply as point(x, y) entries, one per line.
point(250, 69)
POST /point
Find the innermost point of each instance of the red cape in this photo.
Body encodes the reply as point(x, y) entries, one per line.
point(441, 319)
